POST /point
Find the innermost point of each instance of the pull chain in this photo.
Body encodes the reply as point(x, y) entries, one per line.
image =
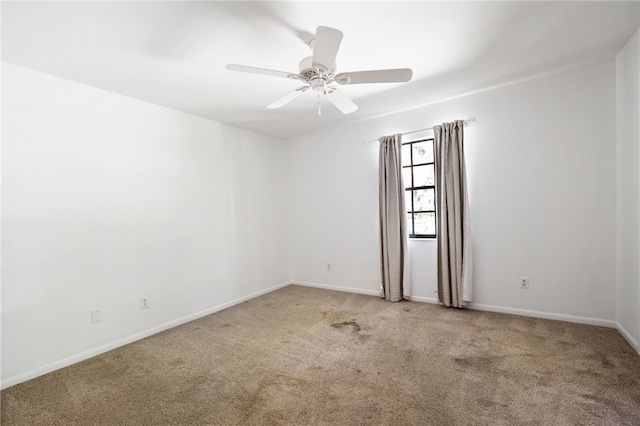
point(319, 107)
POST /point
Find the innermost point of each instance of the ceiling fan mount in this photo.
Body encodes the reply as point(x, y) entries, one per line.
point(317, 72)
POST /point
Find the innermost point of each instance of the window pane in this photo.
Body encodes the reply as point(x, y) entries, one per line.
point(406, 177)
point(405, 155)
point(409, 224)
point(423, 175)
point(424, 199)
point(425, 223)
point(407, 200)
point(423, 152)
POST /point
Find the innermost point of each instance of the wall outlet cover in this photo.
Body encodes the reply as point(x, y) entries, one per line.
point(96, 316)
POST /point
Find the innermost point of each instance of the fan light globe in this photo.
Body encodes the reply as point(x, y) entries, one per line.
point(318, 84)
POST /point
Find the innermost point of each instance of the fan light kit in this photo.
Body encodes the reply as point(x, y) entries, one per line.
point(318, 72)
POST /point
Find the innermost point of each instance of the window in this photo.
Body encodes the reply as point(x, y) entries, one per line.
point(420, 191)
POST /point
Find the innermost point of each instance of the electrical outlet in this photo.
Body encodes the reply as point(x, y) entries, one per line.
point(524, 282)
point(96, 315)
point(144, 302)
point(328, 267)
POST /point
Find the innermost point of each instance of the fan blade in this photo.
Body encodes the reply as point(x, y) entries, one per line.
point(254, 70)
point(288, 97)
point(326, 47)
point(399, 75)
point(341, 101)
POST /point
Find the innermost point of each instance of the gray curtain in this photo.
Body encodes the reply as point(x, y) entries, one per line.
point(393, 235)
point(452, 213)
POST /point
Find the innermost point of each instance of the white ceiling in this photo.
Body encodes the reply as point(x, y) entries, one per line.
point(174, 53)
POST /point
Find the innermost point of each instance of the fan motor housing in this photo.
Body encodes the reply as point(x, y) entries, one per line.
point(309, 72)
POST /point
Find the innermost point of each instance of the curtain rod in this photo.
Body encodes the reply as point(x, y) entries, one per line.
point(466, 123)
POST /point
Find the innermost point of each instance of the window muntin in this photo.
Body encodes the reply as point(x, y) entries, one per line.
point(420, 192)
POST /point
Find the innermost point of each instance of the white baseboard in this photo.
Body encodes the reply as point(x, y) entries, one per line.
point(337, 288)
point(65, 362)
point(544, 315)
point(628, 337)
point(423, 299)
point(475, 306)
point(526, 313)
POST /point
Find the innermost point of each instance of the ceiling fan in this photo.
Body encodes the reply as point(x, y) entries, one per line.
point(318, 72)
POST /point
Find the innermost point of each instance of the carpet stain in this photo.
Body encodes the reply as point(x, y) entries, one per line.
point(354, 326)
point(362, 338)
point(248, 400)
point(588, 372)
point(475, 361)
point(627, 381)
point(177, 362)
point(605, 362)
point(594, 399)
point(488, 403)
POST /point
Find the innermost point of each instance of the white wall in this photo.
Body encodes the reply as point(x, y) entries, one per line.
point(628, 191)
point(107, 199)
point(541, 170)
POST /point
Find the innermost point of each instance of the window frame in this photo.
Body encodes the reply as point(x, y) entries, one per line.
point(409, 209)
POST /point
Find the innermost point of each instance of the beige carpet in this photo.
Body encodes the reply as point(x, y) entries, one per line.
point(310, 357)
